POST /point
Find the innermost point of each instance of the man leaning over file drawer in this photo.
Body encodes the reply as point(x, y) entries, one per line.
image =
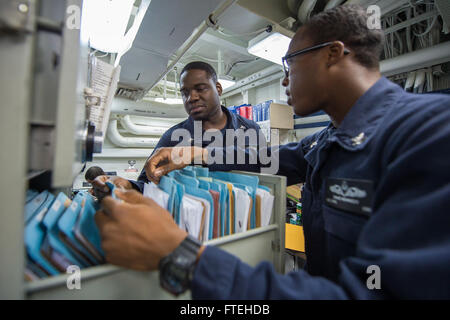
point(200, 91)
point(376, 202)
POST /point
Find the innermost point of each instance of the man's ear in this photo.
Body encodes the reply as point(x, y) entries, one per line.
point(219, 88)
point(335, 53)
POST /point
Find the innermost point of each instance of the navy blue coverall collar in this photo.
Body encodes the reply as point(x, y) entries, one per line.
point(232, 122)
point(361, 121)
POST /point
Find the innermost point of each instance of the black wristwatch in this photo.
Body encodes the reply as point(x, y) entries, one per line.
point(176, 270)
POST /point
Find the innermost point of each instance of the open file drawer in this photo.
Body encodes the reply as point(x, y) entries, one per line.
point(110, 282)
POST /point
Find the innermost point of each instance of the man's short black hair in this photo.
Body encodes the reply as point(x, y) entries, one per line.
point(348, 23)
point(93, 172)
point(200, 65)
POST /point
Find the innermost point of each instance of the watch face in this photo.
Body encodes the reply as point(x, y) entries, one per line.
point(174, 278)
point(178, 273)
point(177, 268)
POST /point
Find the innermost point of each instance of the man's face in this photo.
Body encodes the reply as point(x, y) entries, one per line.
point(200, 94)
point(307, 82)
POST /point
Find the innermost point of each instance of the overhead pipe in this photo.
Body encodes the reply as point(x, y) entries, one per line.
point(333, 3)
point(147, 108)
point(410, 81)
point(305, 9)
point(405, 63)
point(211, 21)
point(419, 81)
point(257, 83)
point(385, 6)
point(411, 21)
point(128, 142)
point(293, 6)
point(176, 82)
point(254, 77)
point(156, 121)
point(140, 130)
point(415, 60)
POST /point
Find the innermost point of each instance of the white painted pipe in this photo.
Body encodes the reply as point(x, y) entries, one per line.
point(165, 87)
point(304, 12)
point(385, 5)
point(128, 142)
point(176, 82)
point(420, 81)
point(415, 60)
point(258, 83)
point(147, 108)
point(333, 3)
point(156, 122)
point(140, 130)
point(256, 76)
point(410, 81)
point(293, 6)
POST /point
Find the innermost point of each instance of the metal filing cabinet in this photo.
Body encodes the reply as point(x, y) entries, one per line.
point(110, 282)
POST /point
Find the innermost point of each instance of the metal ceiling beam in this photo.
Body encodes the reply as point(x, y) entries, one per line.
point(409, 22)
point(250, 81)
point(211, 20)
point(274, 11)
point(422, 58)
point(222, 41)
point(386, 6)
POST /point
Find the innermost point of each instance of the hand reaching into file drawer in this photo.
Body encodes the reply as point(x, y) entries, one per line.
point(100, 189)
point(136, 233)
point(165, 160)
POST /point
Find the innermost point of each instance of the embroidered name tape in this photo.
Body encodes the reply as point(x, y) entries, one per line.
point(350, 195)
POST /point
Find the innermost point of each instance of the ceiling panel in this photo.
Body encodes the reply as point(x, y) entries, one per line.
point(238, 20)
point(165, 27)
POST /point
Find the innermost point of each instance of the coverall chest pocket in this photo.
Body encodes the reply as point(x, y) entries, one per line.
point(342, 232)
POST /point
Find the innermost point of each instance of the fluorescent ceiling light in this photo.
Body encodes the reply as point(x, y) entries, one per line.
point(169, 100)
point(132, 32)
point(226, 83)
point(271, 47)
point(104, 23)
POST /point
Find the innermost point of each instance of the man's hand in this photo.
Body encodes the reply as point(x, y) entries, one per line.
point(136, 233)
point(165, 160)
point(99, 187)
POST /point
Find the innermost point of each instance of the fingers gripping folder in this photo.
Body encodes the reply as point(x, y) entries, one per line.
point(60, 232)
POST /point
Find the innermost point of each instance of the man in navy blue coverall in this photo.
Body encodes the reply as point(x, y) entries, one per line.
point(201, 93)
point(377, 184)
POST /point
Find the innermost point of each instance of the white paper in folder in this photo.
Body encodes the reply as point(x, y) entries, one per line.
point(242, 207)
point(266, 206)
point(152, 191)
point(104, 78)
point(207, 207)
point(191, 213)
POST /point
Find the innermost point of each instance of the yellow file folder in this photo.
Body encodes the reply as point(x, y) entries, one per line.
point(294, 238)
